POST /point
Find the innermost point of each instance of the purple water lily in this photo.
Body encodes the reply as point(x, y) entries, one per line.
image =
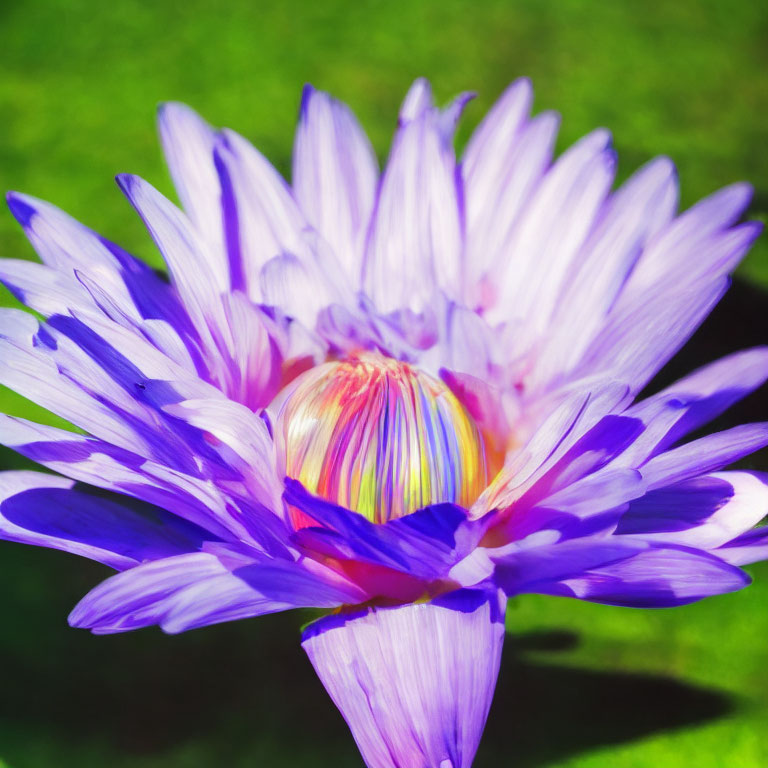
point(397, 397)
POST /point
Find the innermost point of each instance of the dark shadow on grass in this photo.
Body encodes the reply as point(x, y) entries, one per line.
point(545, 712)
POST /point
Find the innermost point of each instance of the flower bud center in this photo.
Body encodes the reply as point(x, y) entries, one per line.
point(379, 437)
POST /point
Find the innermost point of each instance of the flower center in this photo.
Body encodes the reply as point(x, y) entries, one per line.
point(379, 437)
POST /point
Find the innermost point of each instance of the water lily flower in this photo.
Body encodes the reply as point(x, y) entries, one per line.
point(398, 397)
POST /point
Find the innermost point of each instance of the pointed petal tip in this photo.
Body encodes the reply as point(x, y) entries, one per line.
point(168, 110)
point(417, 101)
point(520, 89)
point(663, 163)
point(21, 207)
point(733, 198)
point(128, 182)
point(600, 137)
point(307, 92)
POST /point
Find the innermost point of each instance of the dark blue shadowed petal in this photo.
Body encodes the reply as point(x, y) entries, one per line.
point(118, 531)
point(705, 512)
point(424, 544)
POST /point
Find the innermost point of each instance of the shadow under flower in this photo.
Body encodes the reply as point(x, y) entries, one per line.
point(544, 712)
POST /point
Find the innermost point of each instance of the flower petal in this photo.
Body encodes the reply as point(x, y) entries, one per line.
point(750, 547)
point(696, 399)
point(705, 454)
point(415, 241)
point(633, 215)
point(118, 531)
point(656, 578)
point(201, 588)
point(334, 176)
point(705, 512)
point(424, 544)
point(269, 221)
point(414, 683)
point(542, 250)
point(188, 143)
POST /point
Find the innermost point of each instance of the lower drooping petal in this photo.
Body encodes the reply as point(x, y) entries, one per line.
point(655, 578)
point(414, 682)
point(220, 584)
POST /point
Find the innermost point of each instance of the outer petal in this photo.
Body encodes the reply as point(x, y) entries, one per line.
point(656, 578)
point(334, 175)
point(632, 216)
point(696, 399)
point(193, 590)
point(675, 285)
point(750, 547)
point(48, 511)
point(269, 221)
point(705, 512)
point(705, 454)
point(618, 570)
point(83, 272)
point(414, 683)
point(187, 255)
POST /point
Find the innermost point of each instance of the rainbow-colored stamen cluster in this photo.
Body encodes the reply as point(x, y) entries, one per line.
point(379, 437)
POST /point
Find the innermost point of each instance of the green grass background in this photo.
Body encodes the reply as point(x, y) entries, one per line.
point(581, 685)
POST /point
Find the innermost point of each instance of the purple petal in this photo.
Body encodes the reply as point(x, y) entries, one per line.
point(674, 285)
point(696, 399)
point(102, 465)
point(415, 242)
point(750, 547)
point(561, 424)
point(704, 512)
point(450, 115)
point(414, 683)
point(656, 578)
point(417, 101)
point(188, 143)
point(545, 243)
point(76, 259)
point(118, 531)
point(334, 176)
point(302, 287)
point(424, 544)
point(705, 454)
point(633, 216)
point(194, 590)
point(667, 322)
point(683, 248)
point(494, 137)
point(502, 173)
point(197, 280)
point(269, 221)
point(532, 567)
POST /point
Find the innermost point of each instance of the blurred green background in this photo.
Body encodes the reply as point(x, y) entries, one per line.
point(580, 685)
